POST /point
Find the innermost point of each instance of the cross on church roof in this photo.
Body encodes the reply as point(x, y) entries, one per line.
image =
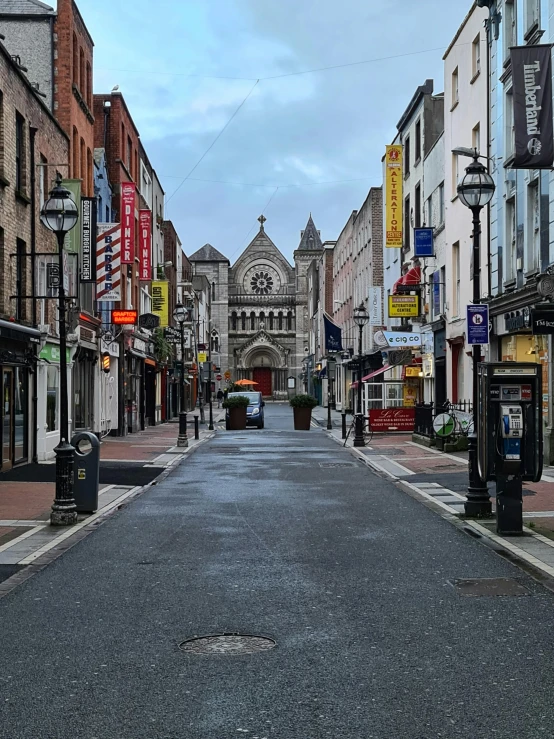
point(262, 219)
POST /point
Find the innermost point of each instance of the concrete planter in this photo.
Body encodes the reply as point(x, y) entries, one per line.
point(237, 419)
point(302, 419)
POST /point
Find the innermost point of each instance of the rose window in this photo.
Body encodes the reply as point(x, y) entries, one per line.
point(262, 283)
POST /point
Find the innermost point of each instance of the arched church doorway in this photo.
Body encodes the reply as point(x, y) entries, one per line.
point(262, 375)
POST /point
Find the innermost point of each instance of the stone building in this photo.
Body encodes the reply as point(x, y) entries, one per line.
point(260, 309)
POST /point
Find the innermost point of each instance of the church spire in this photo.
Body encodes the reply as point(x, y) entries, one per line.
point(262, 219)
point(310, 238)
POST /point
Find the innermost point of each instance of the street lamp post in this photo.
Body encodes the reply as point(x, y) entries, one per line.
point(361, 318)
point(180, 316)
point(475, 190)
point(59, 214)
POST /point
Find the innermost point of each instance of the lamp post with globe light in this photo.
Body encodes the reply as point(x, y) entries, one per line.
point(59, 214)
point(361, 318)
point(180, 314)
point(475, 190)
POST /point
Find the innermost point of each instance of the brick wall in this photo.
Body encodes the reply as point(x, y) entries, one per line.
point(51, 146)
point(73, 99)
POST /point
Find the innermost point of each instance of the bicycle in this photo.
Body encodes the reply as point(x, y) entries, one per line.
point(453, 422)
point(367, 430)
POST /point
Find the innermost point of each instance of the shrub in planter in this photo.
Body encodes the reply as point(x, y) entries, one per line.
point(302, 409)
point(237, 406)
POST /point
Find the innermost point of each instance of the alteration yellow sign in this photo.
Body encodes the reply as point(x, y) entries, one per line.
point(401, 306)
point(393, 184)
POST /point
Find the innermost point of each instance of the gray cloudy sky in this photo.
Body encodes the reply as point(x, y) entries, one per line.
point(173, 61)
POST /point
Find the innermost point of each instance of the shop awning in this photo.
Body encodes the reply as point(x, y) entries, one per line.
point(411, 278)
point(373, 374)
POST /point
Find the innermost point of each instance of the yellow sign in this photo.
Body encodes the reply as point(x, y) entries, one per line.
point(393, 184)
point(160, 301)
point(202, 357)
point(401, 306)
point(412, 371)
point(409, 396)
point(227, 375)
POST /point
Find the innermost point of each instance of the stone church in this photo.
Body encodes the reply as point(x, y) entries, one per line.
point(259, 310)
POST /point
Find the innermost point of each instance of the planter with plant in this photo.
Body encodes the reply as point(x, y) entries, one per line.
point(302, 409)
point(236, 406)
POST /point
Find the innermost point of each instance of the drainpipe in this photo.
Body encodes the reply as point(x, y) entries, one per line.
point(32, 135)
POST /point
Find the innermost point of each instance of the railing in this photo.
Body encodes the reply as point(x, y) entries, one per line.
point(425, 413)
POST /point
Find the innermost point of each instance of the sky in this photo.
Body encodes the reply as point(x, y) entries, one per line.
point(299, 143)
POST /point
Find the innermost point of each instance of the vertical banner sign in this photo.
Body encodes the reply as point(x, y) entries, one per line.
point(160, 301)
point(375, 306)
point(127, 222)
point(532, 91)
point(393, 184)
point(108, 262)
point(145, 245)
point(72, 242)
point(333, 335)
point(88, 238)
point(436, 294)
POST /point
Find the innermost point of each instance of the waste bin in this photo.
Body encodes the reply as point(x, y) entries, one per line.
point(86, 472)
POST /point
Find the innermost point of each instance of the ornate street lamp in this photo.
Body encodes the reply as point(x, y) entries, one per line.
point(475, 190)
point(180, 314)
point(361, 318)
point(59, 214)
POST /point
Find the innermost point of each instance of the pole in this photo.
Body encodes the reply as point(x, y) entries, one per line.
point(478, 502)
point(182, 439)
point(329, 421)
point(64, 510)
point(211, 410)
point(359, 437)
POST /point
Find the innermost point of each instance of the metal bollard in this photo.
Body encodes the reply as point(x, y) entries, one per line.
point(196, 428)
point(86, 472)
point(182, 439)
point(343, 415)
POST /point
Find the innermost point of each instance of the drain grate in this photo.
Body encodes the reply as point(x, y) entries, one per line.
point(330, 465)
point(227, 644)
point(487, 586)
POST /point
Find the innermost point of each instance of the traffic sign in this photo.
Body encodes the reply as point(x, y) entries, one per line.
point(202, 357)
point(478, 324)
point(218, 378)
point(227, 375)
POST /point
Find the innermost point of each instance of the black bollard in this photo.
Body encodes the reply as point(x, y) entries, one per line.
point(182, 440)
point(343, 415)
point(196, 428)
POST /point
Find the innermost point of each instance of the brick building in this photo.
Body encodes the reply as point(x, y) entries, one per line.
point(33, 147)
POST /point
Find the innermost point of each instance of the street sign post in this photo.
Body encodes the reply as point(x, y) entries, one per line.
point(478, 324)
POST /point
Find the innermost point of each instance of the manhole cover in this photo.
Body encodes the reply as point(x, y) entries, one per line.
point(227, 644)
point(490, 586)
point(328, 465)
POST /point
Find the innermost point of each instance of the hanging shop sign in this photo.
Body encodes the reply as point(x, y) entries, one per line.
point(393, 183)
point(149, 321)
point(160, 301)
point(128, 222)
point(532, 101)
point(124, 317)
point(392, 419)
point(542, 320)
point(88, 239)
point(478, 324)
point(145, 245)
point(401, 306)
point(412, 372)
point(423, 242)
point(401, 338)
point(108, 262)
point(333, 335)
point(52, 353)
point(72, 241)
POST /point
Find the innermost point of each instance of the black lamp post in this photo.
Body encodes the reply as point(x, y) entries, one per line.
point(59, 213)
point(180, 316)
point(361, 318)
point(475, 190)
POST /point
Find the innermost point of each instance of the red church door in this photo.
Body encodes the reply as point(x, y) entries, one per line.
point(262, 375)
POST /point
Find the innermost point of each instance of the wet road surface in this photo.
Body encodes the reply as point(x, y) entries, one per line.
point(286, 535)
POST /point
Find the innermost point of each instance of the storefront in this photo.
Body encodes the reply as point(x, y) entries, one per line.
point(134, 389)
point(17, 353)
point(108, 391)
point(150, 376)
point(48, 408)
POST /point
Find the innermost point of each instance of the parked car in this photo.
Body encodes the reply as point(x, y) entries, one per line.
point(254, 412)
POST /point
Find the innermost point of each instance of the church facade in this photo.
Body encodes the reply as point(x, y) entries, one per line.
point(259, 310)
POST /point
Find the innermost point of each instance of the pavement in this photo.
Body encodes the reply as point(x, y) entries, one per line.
point(126, 465)
point(387, 620)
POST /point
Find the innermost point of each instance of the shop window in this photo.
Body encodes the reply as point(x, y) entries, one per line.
point(52, 394)
point(83, 391)
point(20, 409)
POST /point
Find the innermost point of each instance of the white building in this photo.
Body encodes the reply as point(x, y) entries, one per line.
point(465, 125)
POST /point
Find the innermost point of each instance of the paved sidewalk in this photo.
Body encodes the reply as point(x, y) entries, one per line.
point(126, 464)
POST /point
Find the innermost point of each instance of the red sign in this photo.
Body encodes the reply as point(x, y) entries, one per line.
point(123, 317)
point(145, 245)
point(392, 419)
point(127, 222)
point(218, 378)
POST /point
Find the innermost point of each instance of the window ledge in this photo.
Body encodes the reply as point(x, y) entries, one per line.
point(453, 199)
point(509, 161)
point(454, 105)
point(440, 228)
point(531, 31)
point(475, 76)
point(3, 181)
point(22, 197)
point(406, 174)
point(417, 161)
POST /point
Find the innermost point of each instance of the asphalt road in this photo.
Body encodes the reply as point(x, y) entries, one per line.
point(280, 534)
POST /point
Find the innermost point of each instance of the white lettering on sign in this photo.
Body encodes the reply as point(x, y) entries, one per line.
point(400, 338)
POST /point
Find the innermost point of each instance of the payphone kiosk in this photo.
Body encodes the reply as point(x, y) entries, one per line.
point(509, 430)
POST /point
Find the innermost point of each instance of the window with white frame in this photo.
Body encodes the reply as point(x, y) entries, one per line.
point(145, 183)
point(511, 234)
point(510, 26)
point(455, 173)
point(441, 205)
point(534, 226)
point(456, 279)
point(476, 137)
point(455, 88)
point(532, 14)
point(509, 123)
point(476, 56)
